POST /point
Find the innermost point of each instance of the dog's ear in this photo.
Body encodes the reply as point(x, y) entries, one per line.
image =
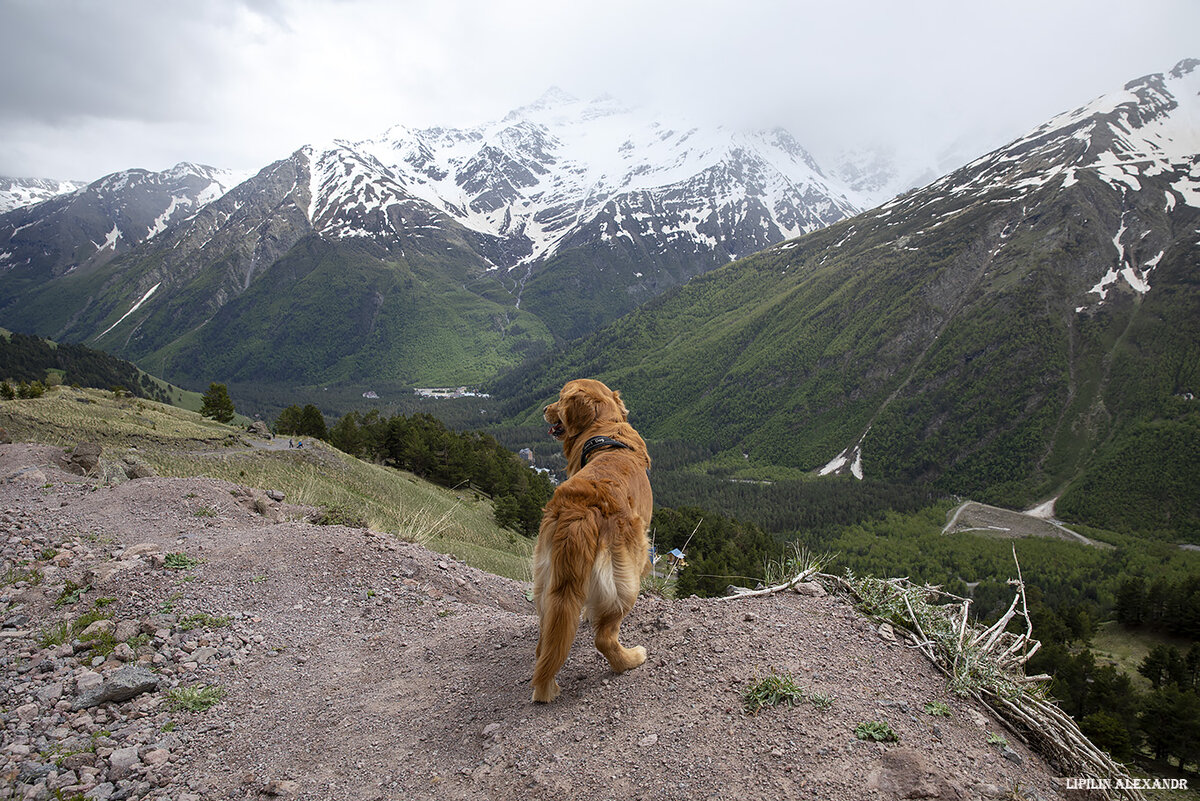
point(616, 393)
point(576, 410)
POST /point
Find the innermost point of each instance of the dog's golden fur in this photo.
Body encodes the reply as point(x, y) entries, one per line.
point(591, 550)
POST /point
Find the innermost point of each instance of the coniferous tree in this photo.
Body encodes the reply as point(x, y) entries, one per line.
point(312, 422)
point(217, 403)
point(288, 421)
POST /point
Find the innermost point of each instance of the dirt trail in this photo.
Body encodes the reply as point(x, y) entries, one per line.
point(355, 666)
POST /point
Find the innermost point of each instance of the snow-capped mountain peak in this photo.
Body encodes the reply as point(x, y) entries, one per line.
point(549, 168)
point(114, 214)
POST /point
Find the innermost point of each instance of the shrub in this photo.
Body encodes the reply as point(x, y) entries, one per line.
point(772, 690)
point(876, 730)
point(197, 698)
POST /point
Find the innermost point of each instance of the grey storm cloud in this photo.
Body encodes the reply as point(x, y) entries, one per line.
point(93, 87)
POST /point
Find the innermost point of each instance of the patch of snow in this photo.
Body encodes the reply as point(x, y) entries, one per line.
point(1101, 287)
point(135, 307)
point(110, 240)
point(160, 222)
point(836, 464)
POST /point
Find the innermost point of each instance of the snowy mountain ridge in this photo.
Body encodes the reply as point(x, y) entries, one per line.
point(1150, 128)
point(91, 224)
point(17, 192)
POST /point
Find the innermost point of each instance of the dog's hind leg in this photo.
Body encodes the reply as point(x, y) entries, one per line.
point(559, 622)
point(614, 591)
point(620, 658)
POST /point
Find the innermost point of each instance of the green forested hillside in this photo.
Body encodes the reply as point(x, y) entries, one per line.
point(30, 358)
point(966, 354)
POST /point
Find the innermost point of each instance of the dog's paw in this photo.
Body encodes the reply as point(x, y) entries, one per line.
point(638, 655)
point(631, 658)
point(544, 695)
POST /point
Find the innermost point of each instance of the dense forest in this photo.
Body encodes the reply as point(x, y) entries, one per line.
point(1160, 604)
point(29, 359)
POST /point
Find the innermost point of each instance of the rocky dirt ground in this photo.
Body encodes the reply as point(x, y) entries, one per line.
point(354, 666)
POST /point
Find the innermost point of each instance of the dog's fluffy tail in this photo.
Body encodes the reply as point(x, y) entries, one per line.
point(562, 571)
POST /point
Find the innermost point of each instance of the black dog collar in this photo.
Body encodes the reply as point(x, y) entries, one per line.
point(599, 443)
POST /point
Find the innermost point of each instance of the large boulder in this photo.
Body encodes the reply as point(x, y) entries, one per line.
point(84, 459)
point(124, 683)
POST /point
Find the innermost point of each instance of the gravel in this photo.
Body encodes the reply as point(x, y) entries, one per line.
point(345, 664)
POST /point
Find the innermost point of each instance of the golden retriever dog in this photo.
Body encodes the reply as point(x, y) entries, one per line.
point(591, 550)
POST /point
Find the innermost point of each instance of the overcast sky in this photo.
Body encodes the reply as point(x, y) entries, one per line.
point(95, 86)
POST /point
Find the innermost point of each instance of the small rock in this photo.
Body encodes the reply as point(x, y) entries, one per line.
point(136, 468)
point(33, 772)
point(88, 679)
point(648, 741)
point(79, 760)
point(102, 792)
point(202, 655)
point(126, 629)
point(276, 495)
point(84, 459)
point(157, 756)
point(27, 713)
point(887, 633)
point(63, 779)
point(1012, 756)
point(51, 692)
point(122, 761)
point(812, 589)
point(99, 628)
point(282, 787)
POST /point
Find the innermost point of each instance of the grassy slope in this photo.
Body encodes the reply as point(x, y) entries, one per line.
point(177, 442)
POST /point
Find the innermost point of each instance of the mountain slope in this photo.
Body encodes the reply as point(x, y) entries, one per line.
point(1001, 331)
point(29, 358)
point(251, 288)
point(461, 251)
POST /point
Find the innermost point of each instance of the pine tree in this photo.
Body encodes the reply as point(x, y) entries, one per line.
point(217, 403)
point(312, 422)
point(288, 421)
